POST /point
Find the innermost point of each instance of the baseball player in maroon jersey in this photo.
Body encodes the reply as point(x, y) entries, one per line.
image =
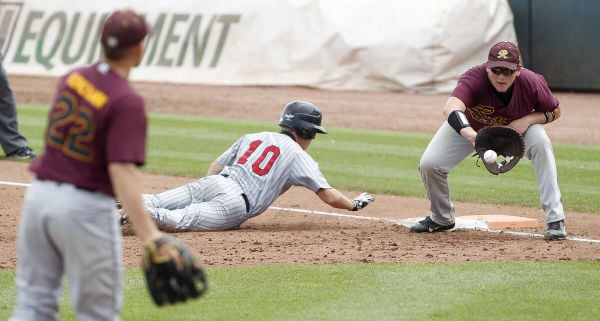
point(247, 178)
point(499, 92)
point(95, 141)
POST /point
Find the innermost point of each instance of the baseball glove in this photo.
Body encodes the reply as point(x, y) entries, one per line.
point(506, 142)
point(173, 273)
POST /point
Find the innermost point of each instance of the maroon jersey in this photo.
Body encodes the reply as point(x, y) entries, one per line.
point(96, 118)
point(530, 93)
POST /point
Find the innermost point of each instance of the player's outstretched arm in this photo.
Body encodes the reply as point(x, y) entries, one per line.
point(336, 199)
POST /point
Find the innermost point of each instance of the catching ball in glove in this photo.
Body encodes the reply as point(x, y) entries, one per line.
point(490, 156)
point(173, 273)
point(506, 142)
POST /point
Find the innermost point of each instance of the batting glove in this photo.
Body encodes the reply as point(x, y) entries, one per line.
point(362, 200)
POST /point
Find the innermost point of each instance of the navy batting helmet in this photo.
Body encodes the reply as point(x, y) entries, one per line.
point(304, 118)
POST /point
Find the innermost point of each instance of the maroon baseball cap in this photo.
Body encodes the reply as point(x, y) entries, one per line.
point(504, 54)
point(123, 28)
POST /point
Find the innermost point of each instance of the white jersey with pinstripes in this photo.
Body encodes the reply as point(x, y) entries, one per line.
point(267, 164)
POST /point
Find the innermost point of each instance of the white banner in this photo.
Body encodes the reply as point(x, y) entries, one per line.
point(396, 45)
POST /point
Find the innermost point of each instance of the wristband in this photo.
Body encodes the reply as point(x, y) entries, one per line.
point(458, 120)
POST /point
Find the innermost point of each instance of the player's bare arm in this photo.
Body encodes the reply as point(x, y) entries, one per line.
point(125, 178)
point(452, 112)
point(336, 199)
point(214, 168)
point(523, 123)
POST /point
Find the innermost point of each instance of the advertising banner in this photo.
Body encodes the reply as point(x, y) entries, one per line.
point(330, 44)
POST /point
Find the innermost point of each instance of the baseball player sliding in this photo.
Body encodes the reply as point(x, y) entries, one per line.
point(249, 176)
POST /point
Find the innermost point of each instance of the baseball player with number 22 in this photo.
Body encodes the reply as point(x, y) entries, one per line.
point(249, 176)
point(95, 141)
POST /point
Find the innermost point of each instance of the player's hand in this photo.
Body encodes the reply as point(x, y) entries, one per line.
point(362, 200)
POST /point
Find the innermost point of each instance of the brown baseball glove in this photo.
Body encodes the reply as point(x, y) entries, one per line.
point(173, 273)
point(506, 142)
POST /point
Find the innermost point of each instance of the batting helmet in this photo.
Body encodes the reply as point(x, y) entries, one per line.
point(304, 118)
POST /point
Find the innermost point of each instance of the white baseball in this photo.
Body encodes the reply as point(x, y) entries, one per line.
point(490, 156)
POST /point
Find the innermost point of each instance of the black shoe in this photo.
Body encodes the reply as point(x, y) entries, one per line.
point(556, 231)
point(22, 153)
point(124, 221)
point(121, 214)
point(429, 226)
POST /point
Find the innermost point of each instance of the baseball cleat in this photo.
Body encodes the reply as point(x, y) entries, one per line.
point(126, 226)
point(429, 226)
point(123, 219)
point(22, 153)
point(556, 231)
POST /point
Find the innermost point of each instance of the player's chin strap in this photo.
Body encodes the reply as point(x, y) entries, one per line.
point(287, 133)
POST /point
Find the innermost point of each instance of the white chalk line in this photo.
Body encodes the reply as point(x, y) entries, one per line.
point(460, 223)
point(13, 183)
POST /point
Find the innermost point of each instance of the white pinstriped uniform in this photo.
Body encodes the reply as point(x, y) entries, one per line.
point(261, 166)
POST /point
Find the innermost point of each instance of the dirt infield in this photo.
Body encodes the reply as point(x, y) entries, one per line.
point(285, 237)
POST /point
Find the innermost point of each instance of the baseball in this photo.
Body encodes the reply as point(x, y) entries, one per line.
point(490, 156)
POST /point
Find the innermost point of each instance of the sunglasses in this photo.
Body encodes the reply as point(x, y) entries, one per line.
point(503, 71)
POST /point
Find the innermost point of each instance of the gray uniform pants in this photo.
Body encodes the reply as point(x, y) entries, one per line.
point(209, 204)
point(10, 137)
point(447, 149)
point(73, 232)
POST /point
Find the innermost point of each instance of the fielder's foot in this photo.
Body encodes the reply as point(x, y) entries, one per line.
point(556, 231)
point(429, 226)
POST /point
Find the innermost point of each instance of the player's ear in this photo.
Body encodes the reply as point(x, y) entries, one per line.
point(138, 52)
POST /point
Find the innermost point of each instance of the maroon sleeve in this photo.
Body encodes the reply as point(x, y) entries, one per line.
point(468, 87)
point(546, 101)
point(126, 139)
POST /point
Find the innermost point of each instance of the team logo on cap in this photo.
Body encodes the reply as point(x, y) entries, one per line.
point(503, 54)
point(288, 116)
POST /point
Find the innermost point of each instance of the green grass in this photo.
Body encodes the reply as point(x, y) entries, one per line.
point(458, 291)
point(381, 162)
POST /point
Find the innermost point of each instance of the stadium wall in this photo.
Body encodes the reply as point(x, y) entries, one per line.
point(329, 44)
point(559, 39)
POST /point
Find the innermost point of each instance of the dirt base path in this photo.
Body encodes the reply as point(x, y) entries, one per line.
point(287, 237)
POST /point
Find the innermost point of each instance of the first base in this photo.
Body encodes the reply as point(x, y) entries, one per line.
point(502, 221)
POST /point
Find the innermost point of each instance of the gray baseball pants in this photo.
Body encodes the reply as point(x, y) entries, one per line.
point(209, 204)
point(73, 232)
point(447, 149)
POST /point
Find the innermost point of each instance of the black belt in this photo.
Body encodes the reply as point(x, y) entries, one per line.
point(243, 196)
point(247, 203)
